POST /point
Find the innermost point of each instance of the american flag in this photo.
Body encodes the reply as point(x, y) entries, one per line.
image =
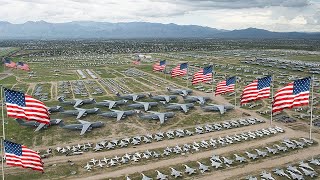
point(9, 63)
point(294, 94)
point(226, 86)
point(23, 66)
point(180, 70)
point(159, 66)
point(258, 89)
point(204, 75)
point(136, 62)
point(21, 105)
point(20, 155)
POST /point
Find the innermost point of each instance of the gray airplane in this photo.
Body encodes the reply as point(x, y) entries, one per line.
point(182, 92)
point(37, 124)
point(184, 107)
point(156, 116)
point(84, 126)
point(166, 98)
point(145, 105)
point(193, 99)
point(55, 109)
point(216, 107)
point(76, 102)
point(79, 112)
point(132, 97)
point(111, 104)
point(117, 114)
point(175, 173)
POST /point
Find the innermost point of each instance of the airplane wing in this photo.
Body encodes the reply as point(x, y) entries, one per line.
point(84, 127)
point(167, 98)
point(221, 109)
point(146, 106)
point(111, 104)
point(134, 97)
point(184, 108)
point(81, 113)
point(201, 99)
point(78, 102)
point(161, 117)
point(119, 115)
point(184, 92)
point(41, 125)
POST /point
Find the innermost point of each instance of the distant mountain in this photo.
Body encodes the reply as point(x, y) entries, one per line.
point(90, 29)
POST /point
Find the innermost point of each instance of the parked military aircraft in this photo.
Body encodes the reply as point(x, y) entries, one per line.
point(216, 107)
point(145, 105)
point(183, 92)
point(117, 114)
point(55, 109)
point(76, 102)
point(79, 112)
point(156, 115)
point(166, 98)
point(37, 124)
point(111, 104)
point(184, 107)
point(132, 97)
point(84, 126)
point(193, 99)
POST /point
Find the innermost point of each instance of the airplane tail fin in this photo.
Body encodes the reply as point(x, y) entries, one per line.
point(61, 124)
point(60, 99)
point(150, 95)
point(168, 88)
point(20, 121)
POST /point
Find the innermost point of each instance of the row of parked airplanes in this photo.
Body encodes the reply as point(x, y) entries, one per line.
point(185, 148)
point(85, 126)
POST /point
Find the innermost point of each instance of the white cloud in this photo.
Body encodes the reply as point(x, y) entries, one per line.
point(277, 15)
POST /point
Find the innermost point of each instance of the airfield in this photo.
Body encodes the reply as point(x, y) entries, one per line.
point(200, 145)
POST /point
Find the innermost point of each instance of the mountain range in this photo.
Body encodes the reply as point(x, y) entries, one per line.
point(91, 29)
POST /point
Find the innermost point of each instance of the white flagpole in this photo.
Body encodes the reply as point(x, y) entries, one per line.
point(3, 132)
point(212, 80)
point(235, 92)
point(271, 114)
point(311, 107)
point(187, 74)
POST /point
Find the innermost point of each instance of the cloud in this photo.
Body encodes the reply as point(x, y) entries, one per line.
point(277, 15)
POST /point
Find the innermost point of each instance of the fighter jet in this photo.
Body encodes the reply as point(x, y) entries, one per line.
point(144, 177)
point(117, 114)
point(184, 107)
point(261, 153)
point(216, 107)
point(166, 98)
point(37, 124)
point(192, 99)
point(88, 167)
point(251, 156)
point(145, 105)
point(240, 158)
point(76, 102)
point(308, 172)
point(55, 109)
point(175, 173)
point(132, 97)
point(161, 176)
point(266, 175)
point(280, 172)
point(305, 165)
point(84, 126)
point(295, 176)
point(203, 168)
point(156, 116)
point(189, 170)
point(111, 104)
point(79, 112)
point(182, 92)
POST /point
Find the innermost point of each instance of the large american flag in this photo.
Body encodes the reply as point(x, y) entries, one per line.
point(159, 66)
point(9, 63)
point(20, 155)
point(294, 94)
point(204, 75)
point(258, 89)
point(226, 86)
point(180, 70)
point(23, 66)
point(21, 105)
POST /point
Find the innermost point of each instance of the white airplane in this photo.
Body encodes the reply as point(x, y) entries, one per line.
point(175, 173)
point(266, 175)
point(161, 176)
point(88, 167)
point(144, 177)
point(280, 172)
point(189, 170)
point(203, 168)
point(93, 161)
point(241, 159)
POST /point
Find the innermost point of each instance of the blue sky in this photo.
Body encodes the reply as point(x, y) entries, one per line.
point(275, 15)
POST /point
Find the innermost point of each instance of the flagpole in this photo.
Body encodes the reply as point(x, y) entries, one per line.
point(311, 108)
point(212, 80)
point(187, 74)
point(271, 114)
point(235, 93)
point(3, 132)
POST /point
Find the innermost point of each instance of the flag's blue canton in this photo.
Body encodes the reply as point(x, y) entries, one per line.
point(20, 63)
point(207, 70)
point(7, 60)
point(301, 85)
point(183, 66)
point(13, 148)
point(264, 82)
point(231, 80)
point(14, 97)
point(162, 62)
